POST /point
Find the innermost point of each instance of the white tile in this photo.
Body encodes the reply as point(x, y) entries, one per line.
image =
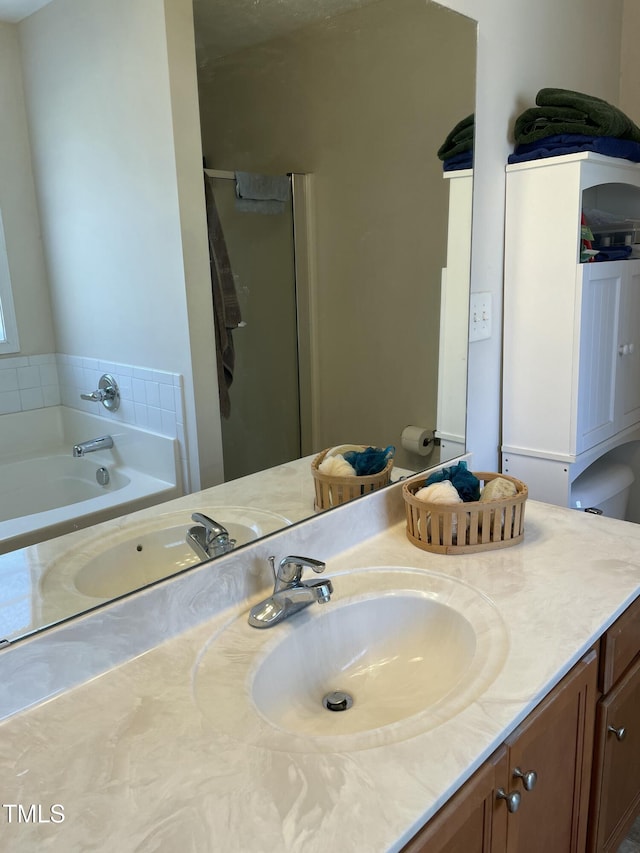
point(179, 404)
point(167, 399)
point(9, 379)
point(9, 402)
point(153, 394)
point(18, 361)
point(31, 398)
point(143, 373)
point(47, 358)
point(139, 391)
point(51, 395)
point(48, 374)
point(142, 417)
point(163, 376)
point(28, 377)
point(168, 423)
point(154, 416)
point(126, 386)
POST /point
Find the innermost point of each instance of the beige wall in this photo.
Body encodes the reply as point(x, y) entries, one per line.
point(18, 205)
point(112, 105)
point(362, 102)
point(630, 61)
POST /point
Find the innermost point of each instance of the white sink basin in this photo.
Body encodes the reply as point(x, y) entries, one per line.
point(409, 648)
point(134, 556)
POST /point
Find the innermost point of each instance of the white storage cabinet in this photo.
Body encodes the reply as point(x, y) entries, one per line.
point(571, 369)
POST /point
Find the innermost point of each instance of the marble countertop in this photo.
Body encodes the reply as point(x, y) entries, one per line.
point(137, 766)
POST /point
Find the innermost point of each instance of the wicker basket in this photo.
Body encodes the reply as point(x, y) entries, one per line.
point(465, 527)
point(333, 491)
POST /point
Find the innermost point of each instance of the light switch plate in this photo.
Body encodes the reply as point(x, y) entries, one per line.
point(479, 316)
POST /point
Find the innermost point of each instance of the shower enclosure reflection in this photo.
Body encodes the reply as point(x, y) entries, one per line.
point(348, 102)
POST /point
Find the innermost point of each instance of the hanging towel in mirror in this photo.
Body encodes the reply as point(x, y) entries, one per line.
point(226, 308)
point(262, 193)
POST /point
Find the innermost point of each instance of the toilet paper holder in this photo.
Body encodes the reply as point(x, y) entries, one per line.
point(417, 439)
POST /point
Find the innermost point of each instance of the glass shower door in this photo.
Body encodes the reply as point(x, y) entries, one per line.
point(263, 428)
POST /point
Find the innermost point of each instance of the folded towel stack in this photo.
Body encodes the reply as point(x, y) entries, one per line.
point(456, 152)
point(565, 122)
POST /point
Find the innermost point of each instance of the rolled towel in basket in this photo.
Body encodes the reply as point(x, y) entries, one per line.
point(336, 466)
point(443, 492)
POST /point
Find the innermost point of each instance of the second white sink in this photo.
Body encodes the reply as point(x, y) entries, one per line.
point(135, 555)
point(394, 653)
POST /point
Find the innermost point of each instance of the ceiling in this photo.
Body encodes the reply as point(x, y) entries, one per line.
point(224, 26)
point(15, 10)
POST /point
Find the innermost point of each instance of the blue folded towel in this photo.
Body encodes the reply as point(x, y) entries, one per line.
point(572, 143)
point(614, 253)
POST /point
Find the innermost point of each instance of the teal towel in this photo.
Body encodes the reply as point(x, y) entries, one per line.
point(459, 139)
point(466, 483)
point(566, 111)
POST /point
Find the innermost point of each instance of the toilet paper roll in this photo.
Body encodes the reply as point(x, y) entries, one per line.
point(417, 439)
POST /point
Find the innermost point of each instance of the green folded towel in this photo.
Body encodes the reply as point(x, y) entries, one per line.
point(566, 111)
point(459, 139)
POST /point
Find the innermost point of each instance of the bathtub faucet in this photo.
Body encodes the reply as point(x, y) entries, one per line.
point(105, 442)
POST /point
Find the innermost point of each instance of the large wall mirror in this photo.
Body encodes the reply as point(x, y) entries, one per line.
point(350, 101)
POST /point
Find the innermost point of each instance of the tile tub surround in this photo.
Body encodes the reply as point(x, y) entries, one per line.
point(137, 766)
point(149, 462)
point(150, 399)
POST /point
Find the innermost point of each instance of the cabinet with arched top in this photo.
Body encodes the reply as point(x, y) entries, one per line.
point(571, 368)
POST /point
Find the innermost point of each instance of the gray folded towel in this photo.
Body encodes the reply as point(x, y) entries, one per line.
point(262, 193)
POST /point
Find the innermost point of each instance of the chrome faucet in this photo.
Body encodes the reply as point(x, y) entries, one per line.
point(105, 442)
point(290, 592)
point(208, 538)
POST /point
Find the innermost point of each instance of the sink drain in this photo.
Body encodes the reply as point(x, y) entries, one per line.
point(337, 700)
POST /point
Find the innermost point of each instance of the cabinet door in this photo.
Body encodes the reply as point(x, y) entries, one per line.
point(616, 786)
point(467, 822)
point(600, 298)
point(628, 361)
point(556, 743)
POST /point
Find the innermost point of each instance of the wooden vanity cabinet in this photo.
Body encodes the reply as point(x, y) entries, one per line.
point(469, 821)
point(615, 794)
point(554, 741)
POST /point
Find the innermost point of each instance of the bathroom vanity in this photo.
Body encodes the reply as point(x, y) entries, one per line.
point(150, 753)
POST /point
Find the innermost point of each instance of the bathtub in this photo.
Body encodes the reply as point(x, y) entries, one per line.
point(46, 492)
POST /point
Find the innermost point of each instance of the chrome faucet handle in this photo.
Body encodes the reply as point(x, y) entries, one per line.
point(290, 570)
point(107, 393)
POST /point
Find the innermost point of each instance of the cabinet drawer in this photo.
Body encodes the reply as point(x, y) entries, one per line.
point(620, 645)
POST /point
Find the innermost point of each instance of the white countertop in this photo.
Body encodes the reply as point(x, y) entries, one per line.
point(138, 767)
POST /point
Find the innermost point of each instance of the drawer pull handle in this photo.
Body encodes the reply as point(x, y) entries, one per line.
point(619, 733)
point(512, 799)
point(529, 778)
